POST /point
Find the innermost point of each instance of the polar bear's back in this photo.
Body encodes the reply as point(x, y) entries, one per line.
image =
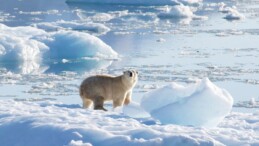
point(99, 85)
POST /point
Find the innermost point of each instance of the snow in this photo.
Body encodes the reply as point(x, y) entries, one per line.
point(46, 122)
point(201, 104)
point(135, 110)
point(33, 44)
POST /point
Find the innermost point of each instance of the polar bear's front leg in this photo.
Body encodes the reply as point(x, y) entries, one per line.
point(119, 101)
point(128, 98)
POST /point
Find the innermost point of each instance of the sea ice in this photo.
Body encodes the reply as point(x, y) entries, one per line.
point(201, 104)
point(16, 44)
point(33, 44)
point(179, 11)
point(190, 2)
point(72, 45)
point(54, 26)
point(232, 13)
point(126, 2)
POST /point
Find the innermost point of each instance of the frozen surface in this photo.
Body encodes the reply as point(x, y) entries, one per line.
point(163, 49)
point(52, 123)
point(201, 104)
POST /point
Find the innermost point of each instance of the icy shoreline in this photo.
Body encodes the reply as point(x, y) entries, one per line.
point(51, 123)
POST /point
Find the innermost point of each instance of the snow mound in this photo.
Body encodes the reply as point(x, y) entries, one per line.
point(126, 2)
point(28, 43)
point(201, 104)
point(61, 25)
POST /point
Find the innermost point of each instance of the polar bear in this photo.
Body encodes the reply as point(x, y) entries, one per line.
point(100, 88)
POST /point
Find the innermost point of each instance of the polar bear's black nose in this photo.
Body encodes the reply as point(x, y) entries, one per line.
point(130, 74)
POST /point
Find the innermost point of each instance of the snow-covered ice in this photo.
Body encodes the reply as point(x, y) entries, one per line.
point(72, 45)
point(44, 123)
point(29, 43)
point(201, 104)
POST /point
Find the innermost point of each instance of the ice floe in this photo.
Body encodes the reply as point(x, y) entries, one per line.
point(49, 12)
point(17, 44)
point(30, 44)
point(72, 45)
point(200, 104)
point(97, 28)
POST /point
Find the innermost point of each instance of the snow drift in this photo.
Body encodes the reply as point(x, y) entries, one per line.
point(29, 43)
point(201, 104)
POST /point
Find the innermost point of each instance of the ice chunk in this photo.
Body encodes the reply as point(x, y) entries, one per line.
point(29, 43)
point(72, 44)
point(178, 12)
point(232, 14)
point(200, 104)
point(16, 44)
point(78, 143)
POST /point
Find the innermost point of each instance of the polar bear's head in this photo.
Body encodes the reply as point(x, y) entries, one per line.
point(130, 77)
